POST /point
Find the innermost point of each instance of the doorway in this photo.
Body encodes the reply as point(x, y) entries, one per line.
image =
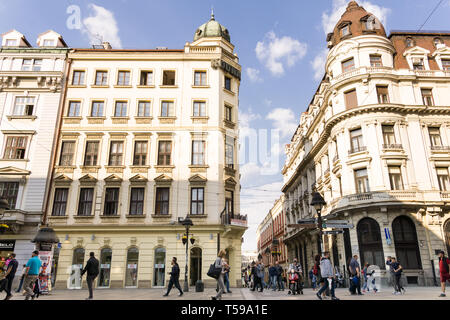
point(195, 267)
point(159, 267)
point(105, 268)
point(74, 281)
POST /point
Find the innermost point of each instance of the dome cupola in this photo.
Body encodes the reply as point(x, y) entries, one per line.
point(355, 21)
point(212, 29)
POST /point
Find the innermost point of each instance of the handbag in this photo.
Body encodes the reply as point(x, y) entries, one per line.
point(214, 272)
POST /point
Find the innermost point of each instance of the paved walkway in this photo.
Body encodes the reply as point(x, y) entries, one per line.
point(412, 293)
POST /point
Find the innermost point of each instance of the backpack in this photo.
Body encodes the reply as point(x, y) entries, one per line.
point(315, 270)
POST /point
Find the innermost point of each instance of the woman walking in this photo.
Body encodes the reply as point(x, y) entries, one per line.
point(220, 264)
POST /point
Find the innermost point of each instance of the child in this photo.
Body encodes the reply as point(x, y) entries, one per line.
point(313, 278)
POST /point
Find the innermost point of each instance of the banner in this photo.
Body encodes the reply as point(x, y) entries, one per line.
point(46, 268)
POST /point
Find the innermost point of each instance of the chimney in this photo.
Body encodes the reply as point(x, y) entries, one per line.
point(106, 45)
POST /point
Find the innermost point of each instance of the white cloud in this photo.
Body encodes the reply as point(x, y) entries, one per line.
point(318, 64)
point(330, 19)
point(101, 26)
point(278, 53)
point(253, 75)
point(284, 120)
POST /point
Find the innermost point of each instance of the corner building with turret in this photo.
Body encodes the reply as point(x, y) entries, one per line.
point(375, 143)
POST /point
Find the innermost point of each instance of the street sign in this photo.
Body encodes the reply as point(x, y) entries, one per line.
point(306, 221)
point(336, 221)
point(333, 232)
point(306, 226)
point(337, 225)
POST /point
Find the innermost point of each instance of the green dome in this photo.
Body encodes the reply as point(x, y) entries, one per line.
point(212, 29)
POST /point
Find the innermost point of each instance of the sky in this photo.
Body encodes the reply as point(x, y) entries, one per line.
point(281, 47)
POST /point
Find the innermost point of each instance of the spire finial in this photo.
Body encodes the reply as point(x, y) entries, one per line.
point(212, 13)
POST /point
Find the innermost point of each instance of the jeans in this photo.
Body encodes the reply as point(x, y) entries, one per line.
point(365, 286)
point(258, 282)
point(221, 287)
point(226, 281)
point(397, 284)
point(274, 280)
point(325, 286)
point(357, 287)
point(90, 281)
point(280, 282)
point(28, 285)
point(9, 281)
point(20, 284)
point(314, 281)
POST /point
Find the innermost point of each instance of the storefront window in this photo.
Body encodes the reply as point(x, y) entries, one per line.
point(77, 266)
point(132, 267)
point(160, 264)
point(105, 267)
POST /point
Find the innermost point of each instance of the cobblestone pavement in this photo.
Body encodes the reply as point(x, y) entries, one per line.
point(412, 293)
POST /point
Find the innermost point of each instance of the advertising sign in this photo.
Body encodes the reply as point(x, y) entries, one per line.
point(7, 245)
point(388, 236)
point(46, 268)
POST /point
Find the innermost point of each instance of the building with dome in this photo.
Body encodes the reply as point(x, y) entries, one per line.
point(375, 143)
point(148, 138)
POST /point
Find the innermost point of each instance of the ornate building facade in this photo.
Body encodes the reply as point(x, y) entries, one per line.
point(375, 143)
point(149, 137)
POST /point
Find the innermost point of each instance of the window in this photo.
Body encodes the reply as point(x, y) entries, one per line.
point(120, 109)
point(164, 151)
point(137, 201)
point(60, 202)
point(375, 60)
point(199, 109)
point(228, 83)
point(116, 153)
point(383, 95)
point(49, 43)
point(437, 42)
point(395, 178)
point(228, 113)
point(11, 42)
point(348, 65)
point(140, 153)
point(78, 78)
point(167, 109)
point(409, 42)
point(435, 136)
point(197, 201)
point(143, 109)
point(24, 106)
point(229, 203)
point(388, 134)
point(427, 97)
point(200, 78)
point(97, 108)
point(361, 181)
point(229, 152)
point(168, 78)
point(443, 179)
point(370, 244)
point(446, 65)
point(9, 191)
point(85, 202)
point(67, 152)
point(74, 109)
point(31, 64)
point(369, 24)
point(111, 201)
point(198, 152)
point(15, 148)
point(146, 78)
point(91, 154)
point(345, 30)
point(101, 78)
point(351, 99)
point(123, 78)
point(418, 64)
point(356, 140)
point(162, 201)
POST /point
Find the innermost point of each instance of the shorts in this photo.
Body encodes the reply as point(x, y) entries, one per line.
point(445, 277)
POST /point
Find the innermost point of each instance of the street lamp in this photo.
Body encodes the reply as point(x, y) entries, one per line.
point(318, 202)
point(187, 223)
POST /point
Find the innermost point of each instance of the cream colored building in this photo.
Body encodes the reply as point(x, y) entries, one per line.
point(148, 137)
point(375, 143)
point(31, 83)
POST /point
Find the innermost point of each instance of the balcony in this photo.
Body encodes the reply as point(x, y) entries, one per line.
point(357, 149)
point(392, 146)
point(230, 219)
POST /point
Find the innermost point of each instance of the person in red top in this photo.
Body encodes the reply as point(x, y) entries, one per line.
point(444, 271)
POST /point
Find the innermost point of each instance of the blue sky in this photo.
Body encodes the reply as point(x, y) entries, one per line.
point(281, 46)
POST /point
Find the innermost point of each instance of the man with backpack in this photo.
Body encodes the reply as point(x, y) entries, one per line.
point(92, 272)
point(355, 272)
point(397, 276)
point(443, 271)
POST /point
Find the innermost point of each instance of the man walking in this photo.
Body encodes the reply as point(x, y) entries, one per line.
point(443, 271)
point(273, 277)
point(92, 272)
point(391, 273)
point(397, 276)
point(174, 278)
point(31, 274)
point(10, 273)
point(327, 273)
point(279, 274)
point(355, 271)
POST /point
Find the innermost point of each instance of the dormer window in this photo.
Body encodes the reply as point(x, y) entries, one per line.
point(11, 43)
point(369, 24)
point(345, 30)
point(438, 42)
point(418, 64)
point(49, 43)
point(409, 42)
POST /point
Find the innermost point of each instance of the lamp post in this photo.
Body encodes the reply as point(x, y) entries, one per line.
point(187, 223)
point(318, 202)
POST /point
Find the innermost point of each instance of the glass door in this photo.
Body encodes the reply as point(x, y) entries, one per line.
point(74, 281)
point(132, 268)
point(159, 274)
point(105, 268)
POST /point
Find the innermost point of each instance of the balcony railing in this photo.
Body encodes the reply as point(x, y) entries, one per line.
point(392, 146)
point(440, 148)
point(357, 149)
point(234, 219)
point(445, 194)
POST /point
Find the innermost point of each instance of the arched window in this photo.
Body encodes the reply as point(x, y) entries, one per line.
point(105, 267)
point(132, 267)
point(406, 246)
point(369, 239)
point(77, 266)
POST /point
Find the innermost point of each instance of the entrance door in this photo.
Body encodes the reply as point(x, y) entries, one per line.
point(105, 268)
point(132, 268)
point(195, 267)
point(447, 236)
point(75, 271)
point(160, 267)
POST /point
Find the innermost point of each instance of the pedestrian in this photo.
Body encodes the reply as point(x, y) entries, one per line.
point(364, 273)
point(371, 278)
point(273, 277)
point(391, 273)
point(443, 271)
point(219, 264)
point(327, 273)
point(10, 273)
point(298, 269)
point(260, 275)
point(31, 274)
point(355, 272)
point(254, 277)
point(313, 278)
point(174, 278)
point(397, 276)
point(226, 276)
point(22, 277)
point(279, 274)
point(92, 269)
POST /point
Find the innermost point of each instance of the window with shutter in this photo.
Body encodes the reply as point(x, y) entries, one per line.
point(351, 100)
